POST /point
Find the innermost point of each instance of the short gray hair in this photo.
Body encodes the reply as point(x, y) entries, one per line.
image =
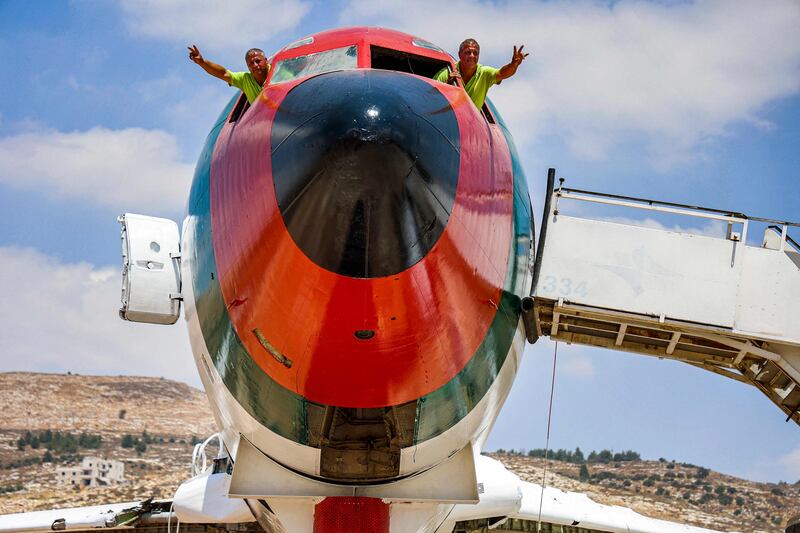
point(468, 42)
point(253, 51)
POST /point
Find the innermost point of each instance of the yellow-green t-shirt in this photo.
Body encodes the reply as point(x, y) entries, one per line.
point(245, 82)
point(478, 85)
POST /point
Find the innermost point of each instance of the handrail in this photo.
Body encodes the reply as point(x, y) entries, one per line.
point(714, 215)
point(652, 202)
point(785, 236)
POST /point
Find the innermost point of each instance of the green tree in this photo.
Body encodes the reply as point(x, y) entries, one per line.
point(140, 447)
point(605, 456)
point(583, 473)
point(128, 441)
point(86, 440)
point(577, 456)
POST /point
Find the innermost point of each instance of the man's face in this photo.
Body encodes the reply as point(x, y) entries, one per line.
point(469, 54)
point(257, 63)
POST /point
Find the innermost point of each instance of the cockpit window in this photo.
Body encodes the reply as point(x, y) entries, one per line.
point(422, 43)
point(308, 65)
point(301, 42)
point(388, 59)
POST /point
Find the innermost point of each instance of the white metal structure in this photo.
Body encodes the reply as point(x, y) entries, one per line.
point(713, 302)
point(151, 282)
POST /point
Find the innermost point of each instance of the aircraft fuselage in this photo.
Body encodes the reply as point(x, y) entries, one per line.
point(355, 248)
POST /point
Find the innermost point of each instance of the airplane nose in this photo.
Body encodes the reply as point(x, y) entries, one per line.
point(365, 165)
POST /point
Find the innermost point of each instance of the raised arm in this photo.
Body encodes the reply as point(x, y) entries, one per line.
point(509, 70)
point(218, 71)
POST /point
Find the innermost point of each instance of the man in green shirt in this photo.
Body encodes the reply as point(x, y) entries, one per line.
point(477, 78)
point(250, 83)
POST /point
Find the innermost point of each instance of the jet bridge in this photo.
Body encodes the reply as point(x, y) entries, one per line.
point(717, 303)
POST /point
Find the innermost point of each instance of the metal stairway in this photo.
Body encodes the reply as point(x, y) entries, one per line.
point(712, 302)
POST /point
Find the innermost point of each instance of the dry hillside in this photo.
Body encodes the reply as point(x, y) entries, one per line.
point(173, 415)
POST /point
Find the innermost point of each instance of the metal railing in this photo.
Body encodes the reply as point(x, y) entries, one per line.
point(731, 217)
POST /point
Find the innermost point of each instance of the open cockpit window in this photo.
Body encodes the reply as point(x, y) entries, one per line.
point(300, 67)
point(239, 109)
point(488, 114)
point(388, 59)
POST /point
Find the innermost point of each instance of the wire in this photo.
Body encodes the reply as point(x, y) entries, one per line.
point(169, 519)
point(547, 441)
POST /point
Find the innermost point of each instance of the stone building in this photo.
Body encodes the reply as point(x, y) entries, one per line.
point(93, 472)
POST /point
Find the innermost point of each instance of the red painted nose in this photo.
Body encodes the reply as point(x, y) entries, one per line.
point(324, 217)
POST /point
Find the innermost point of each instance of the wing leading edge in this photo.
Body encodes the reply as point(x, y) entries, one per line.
point(82, 518)
point(509, 504)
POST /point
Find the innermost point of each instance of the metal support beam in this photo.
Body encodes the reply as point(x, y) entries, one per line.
point(554, 327)
point(621, 335)
point(673, 342)
point(742, 345)
point(740, 356)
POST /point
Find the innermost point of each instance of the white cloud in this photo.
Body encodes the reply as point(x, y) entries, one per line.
point(790, 464)
point(121, 169)
point(578, 366)
point(192, 113)
point(673, 75)
point(210, 23)
point(60, 317)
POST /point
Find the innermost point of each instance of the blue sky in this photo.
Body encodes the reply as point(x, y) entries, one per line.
point(696, 102)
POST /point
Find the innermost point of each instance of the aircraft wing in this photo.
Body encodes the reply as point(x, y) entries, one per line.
point(508, 503)
point(578, 510)
point(83, 518)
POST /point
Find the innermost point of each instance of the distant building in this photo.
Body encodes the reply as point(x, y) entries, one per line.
point(93, 472)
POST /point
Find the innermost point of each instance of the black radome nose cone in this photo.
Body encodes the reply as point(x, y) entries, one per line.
point(365, 165)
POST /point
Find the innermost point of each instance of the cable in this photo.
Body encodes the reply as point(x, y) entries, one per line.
point(169, 520)
point(547, 441)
